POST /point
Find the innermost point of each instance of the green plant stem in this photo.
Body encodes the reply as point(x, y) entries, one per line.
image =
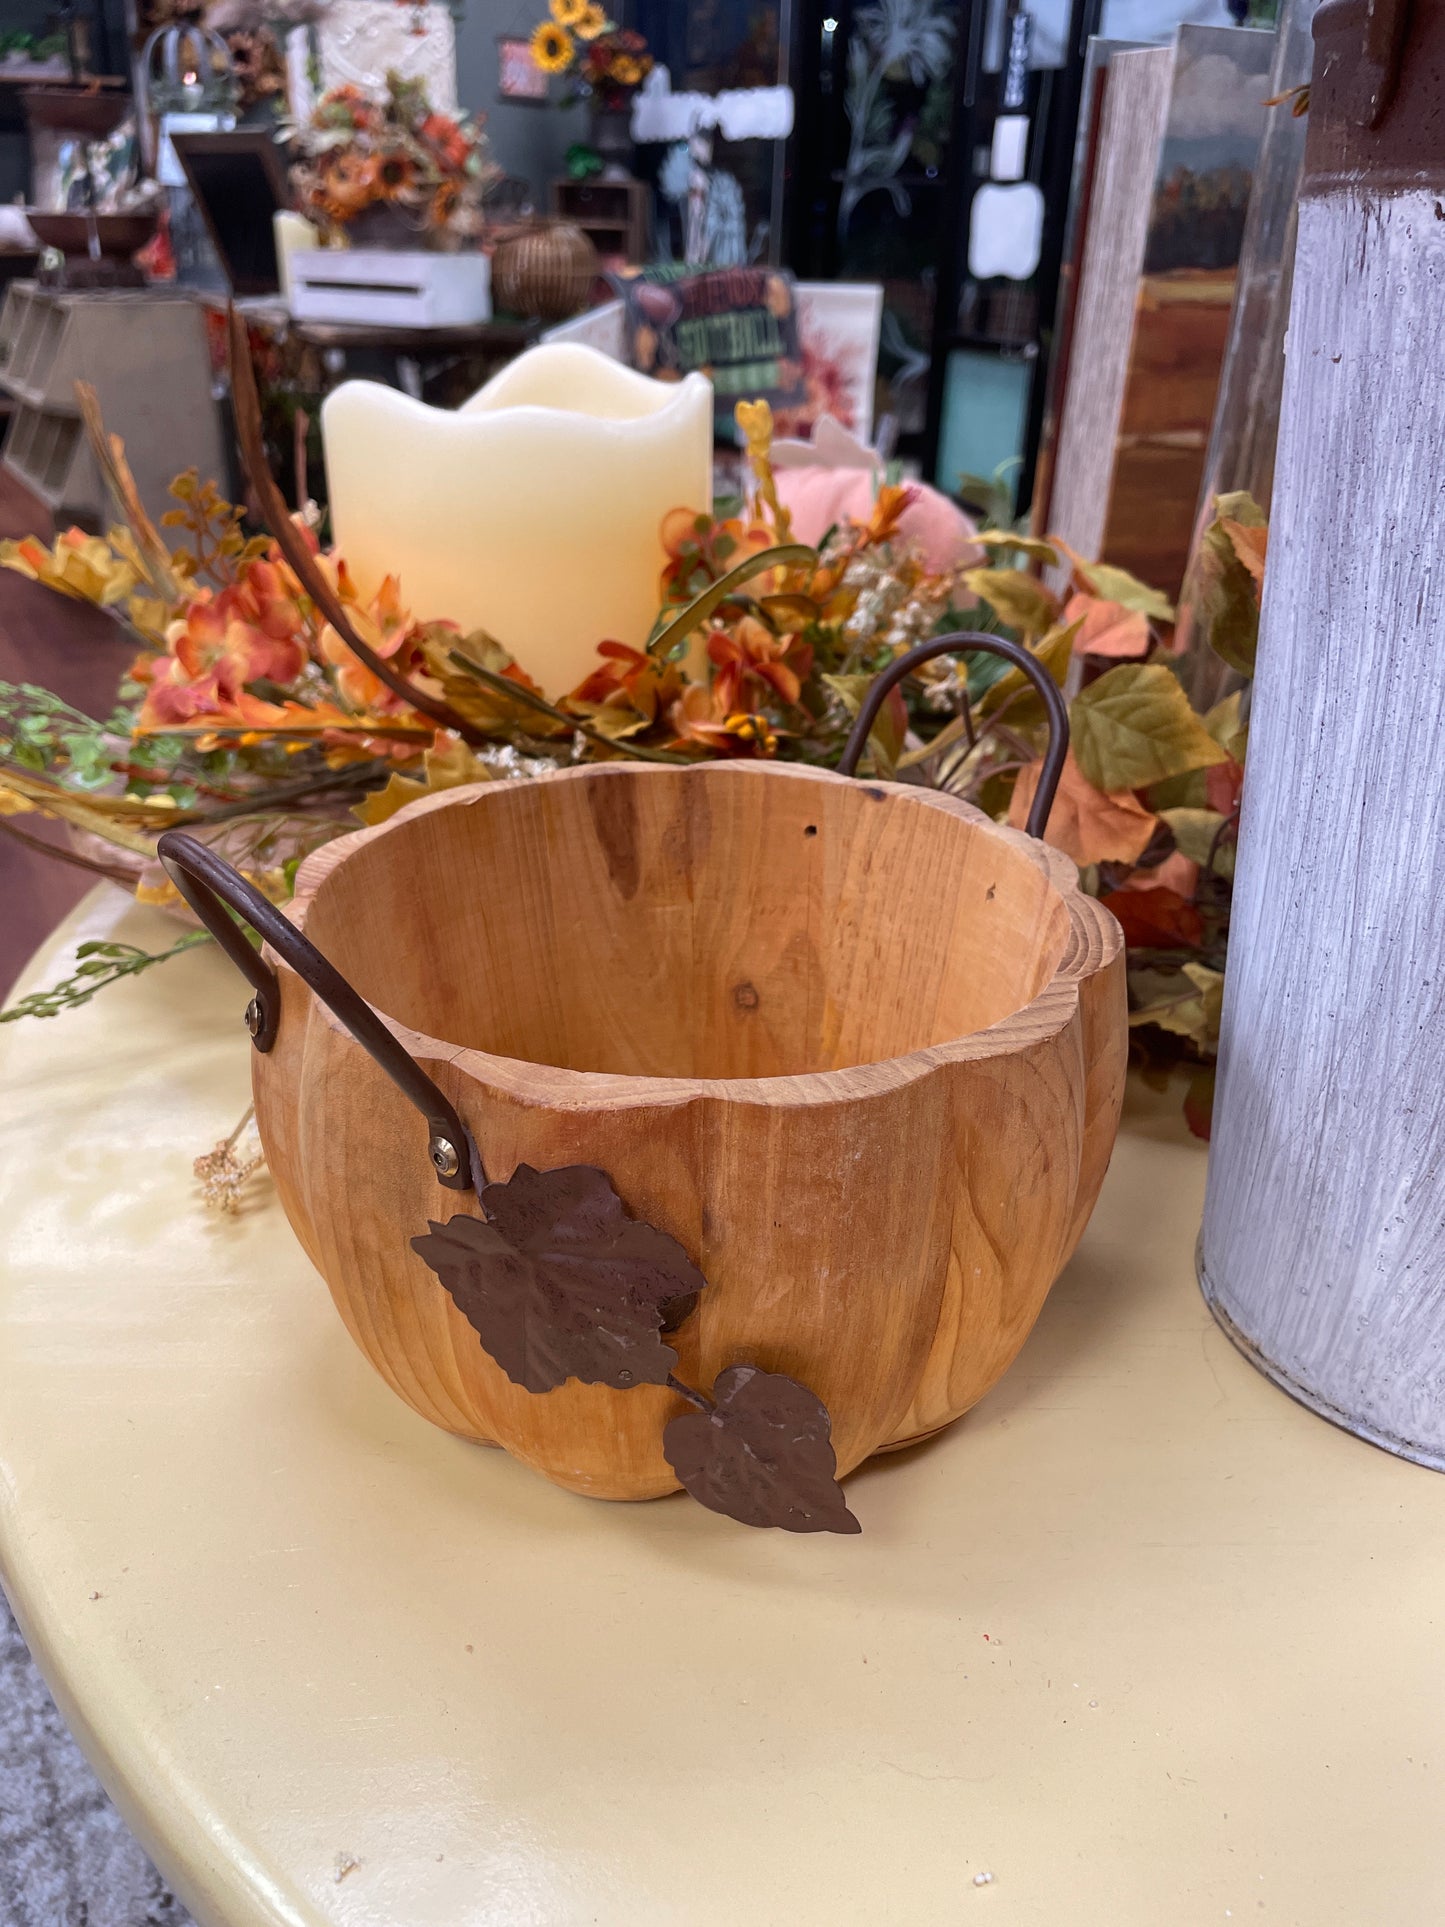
point(105, 963)
point(261, 802)
point(503, 686)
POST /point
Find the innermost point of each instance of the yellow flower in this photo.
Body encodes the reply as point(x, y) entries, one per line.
point(755, 419)
point(81, 566)
point(552, 48)
point(590, 20)
point(626, 71)
point(568, 12)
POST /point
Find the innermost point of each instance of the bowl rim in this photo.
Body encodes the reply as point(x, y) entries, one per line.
point(1094, 941)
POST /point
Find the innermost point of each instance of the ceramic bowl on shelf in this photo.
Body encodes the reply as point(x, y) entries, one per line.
point(120, 235)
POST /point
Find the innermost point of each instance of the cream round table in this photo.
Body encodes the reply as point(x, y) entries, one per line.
point(1141, 1640)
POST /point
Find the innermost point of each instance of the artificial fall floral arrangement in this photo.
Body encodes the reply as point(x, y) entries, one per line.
point(608, 63)
point(394, 154)
point(269, 707)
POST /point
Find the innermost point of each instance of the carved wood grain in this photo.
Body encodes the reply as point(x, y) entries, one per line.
point(858, 1048)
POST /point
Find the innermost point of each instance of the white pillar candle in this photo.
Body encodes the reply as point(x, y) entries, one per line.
point(533, 511)
point(293, 233)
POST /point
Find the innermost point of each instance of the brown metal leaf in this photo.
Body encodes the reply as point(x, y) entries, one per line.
point(560, 1283)
point(763, 1455)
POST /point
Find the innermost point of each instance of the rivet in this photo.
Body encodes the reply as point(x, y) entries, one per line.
point(255, 1017)
point(444, 1157)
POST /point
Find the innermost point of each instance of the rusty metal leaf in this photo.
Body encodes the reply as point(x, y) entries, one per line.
point(763, 1455)
point(558, 1282)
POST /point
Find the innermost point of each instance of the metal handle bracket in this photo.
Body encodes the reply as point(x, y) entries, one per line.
point(213, 889)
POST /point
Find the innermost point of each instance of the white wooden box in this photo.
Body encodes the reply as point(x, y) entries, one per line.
point(391, 287)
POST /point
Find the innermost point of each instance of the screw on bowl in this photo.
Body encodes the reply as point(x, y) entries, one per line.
point(255, 1017)
point(444, 1157)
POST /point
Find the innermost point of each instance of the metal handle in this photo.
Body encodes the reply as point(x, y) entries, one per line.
point(210, 886)
point(959, 643)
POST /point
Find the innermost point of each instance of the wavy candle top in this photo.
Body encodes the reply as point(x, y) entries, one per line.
point(533, 511)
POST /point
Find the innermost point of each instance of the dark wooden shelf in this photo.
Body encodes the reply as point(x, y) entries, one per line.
point(614, 215)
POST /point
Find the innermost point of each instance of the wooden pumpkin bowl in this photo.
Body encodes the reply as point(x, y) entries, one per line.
point(858, 1049)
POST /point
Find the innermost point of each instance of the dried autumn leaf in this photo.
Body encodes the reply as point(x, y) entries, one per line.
point(119, 819)
point(1223, 787)
point(790, 614)
point(763, 1455)
point(613, 721)
point(1249, 544)
point(1020, 600)
point(479, 703)
point(1134, 726)
point(558, 1282)
point(1222, 589)
point(1210, 985)
point(447, 765)
point(1173, 872)
point(1085, 823)
point(1107, 628)
point(1156, 919)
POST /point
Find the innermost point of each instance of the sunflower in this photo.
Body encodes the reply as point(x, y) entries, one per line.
point(568, 12)
point(552, 48)
point(396, 176)
point(590, 21)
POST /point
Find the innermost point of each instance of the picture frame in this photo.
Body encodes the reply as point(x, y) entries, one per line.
point(519, 78)
point(238, 179)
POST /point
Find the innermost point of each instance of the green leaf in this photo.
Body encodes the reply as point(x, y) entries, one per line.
point(105, 963)
point(1029, 545)
point(1196, 835)
point(1189, 1006)
point(1055, 652)
point(1020, 600)
point(1117, 585)
point(1187, 792)
point(1240, 506)
point(1134, 726)
point(1224, 725)
point(668, 641)
point(885, 739)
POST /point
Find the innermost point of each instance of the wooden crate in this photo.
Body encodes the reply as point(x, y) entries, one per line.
point(390, 287)
point(144, 352)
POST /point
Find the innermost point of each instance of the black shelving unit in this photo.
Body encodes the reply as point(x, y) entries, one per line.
point(1053, 101)
point(922, 255)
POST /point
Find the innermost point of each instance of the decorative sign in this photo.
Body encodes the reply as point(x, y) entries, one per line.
point(737, 326)
point(518, 75)
point(738, 113)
